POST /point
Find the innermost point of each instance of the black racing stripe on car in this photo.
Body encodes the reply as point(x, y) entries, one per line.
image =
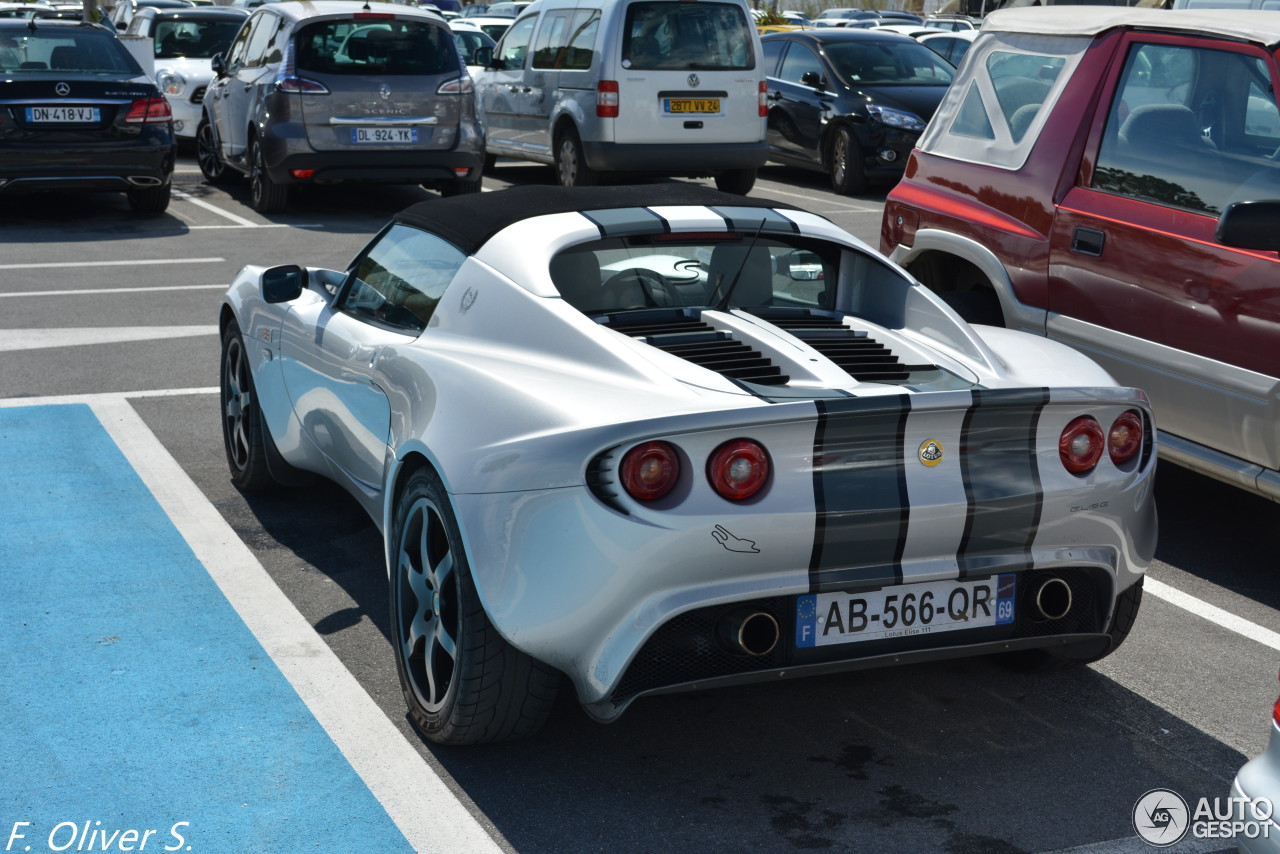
point(860, 492)
point(1001, 477)
point(750, 219)
point(623, 222)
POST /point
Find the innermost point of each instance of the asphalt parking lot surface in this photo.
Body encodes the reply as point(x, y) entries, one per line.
point(155, 685)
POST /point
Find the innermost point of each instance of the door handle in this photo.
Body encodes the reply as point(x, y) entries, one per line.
point(1088, 241)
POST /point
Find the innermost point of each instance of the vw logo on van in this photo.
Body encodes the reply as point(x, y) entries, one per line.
point(385, 91)
point(62, 89)
point(693, 80)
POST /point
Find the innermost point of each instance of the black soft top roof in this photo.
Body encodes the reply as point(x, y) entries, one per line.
point(469, 221)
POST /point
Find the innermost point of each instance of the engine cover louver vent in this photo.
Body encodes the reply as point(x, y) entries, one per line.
point(856, 353)
point(686, 336)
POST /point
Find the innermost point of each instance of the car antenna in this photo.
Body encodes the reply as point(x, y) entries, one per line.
point(723, 303)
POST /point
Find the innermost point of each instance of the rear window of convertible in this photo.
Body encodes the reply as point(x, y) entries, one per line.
point(388, 46)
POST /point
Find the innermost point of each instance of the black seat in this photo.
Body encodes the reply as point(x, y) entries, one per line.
point(63, 58)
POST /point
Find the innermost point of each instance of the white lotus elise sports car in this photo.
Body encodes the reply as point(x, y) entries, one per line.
point(656, 438)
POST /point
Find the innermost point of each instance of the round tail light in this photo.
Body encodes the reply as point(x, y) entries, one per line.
point(738, 469)
point(1125, 438)
point(650, 470)
point(1081, 444)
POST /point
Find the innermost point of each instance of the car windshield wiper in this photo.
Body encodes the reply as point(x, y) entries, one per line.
point(723, 302)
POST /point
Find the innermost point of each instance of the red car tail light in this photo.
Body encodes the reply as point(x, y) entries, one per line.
point(764, 99)
point(1080, 445)
point(738, 469)
point(607, 99)
point(650, 470)
point(287, 81)
point(148, 111)
point(458, 86)
point(1275, 712)
point(1125, 437)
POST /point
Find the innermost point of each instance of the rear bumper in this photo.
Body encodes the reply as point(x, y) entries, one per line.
point(107, 167)
point(682, 159)
point(389, 167)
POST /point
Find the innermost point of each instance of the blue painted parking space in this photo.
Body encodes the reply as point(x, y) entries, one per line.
point(139, 713)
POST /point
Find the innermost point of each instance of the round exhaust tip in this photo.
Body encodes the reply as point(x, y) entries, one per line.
point(1053, 599)
point(749, 632)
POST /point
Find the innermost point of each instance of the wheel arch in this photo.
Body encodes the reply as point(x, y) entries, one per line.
point(946, 263)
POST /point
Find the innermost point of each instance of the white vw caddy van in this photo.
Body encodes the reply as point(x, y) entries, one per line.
point(671, 87)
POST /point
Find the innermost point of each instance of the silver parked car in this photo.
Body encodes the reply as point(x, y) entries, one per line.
point(332, 91)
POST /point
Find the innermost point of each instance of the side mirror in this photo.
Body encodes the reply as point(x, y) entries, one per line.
point(811, 78)
point(121, 26)
point(1250, 225)
point(801, 266)
point(218, 64)
point(284, 283)
point(483, 56)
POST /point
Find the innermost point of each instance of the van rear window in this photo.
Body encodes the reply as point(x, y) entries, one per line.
point(378, 47)
point(681, 35)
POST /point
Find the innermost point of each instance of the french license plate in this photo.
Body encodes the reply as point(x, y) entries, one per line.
point(692, 105)
point(392, 135)
point(63, 115)
point(826, 619)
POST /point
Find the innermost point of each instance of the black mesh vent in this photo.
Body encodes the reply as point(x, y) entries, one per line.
point(689, 338)
point(1090, 600)
point(197, 97)
point(685, 650)
point(858, 354)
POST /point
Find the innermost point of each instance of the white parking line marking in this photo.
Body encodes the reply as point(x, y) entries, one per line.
point(40, 339)
point(421, 804)
point(828, 207)
point(1212, 613)
point(86, 291)
point(239, 220)
point(112, 263)
point(258, 225)
point(1135, 845)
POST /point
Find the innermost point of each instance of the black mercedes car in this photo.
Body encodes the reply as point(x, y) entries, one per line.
point(850, 102)
point(77, 112)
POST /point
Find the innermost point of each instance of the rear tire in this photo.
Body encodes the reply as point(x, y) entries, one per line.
point(848, 178)
point(571, 163)
point(151, 201)
point(242, 427)
point(265, 195)
point(462, 682)
point(739, 181)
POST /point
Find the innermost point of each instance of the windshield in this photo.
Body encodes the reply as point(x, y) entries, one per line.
point(86, 51)
point(907, 64)
point(193, 39)
point(702, 270)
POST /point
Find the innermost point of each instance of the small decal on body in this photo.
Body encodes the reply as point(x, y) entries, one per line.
point(732, 543)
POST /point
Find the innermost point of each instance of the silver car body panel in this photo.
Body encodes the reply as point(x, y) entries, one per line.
point(511, 393)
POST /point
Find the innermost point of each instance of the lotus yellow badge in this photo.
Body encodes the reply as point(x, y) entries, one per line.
point(931, 453)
